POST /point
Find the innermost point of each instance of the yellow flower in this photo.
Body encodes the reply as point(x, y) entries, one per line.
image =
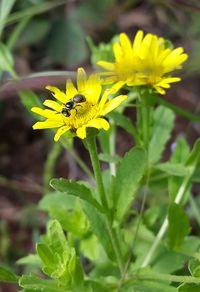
point(78, 108)
point(145, 62)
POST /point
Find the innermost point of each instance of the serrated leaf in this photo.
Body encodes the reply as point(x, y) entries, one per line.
point(75, 189)
point(163, 125)
point(189, 288)
point(7, 276)
point(178, 226)
point(40, 285)
point(129, 173)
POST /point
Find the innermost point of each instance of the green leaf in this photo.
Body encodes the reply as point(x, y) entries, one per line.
point(175, 169)
point(7, 276)
point(150, 286)
point(34, 283)
point(90, 247)
point(181, 151)
point(178, 226)
point(6, 59)
point(129, 173)
point(189, 288)
point(31, 259)
point(69, 33)
point(124, 122)
point(194, 267)
point(109, 158)
point(29, 99)
point(58, 259)
point(163, 125)
point(5, 8)
point(194, 157)
point(99, 227)
point(34, 32)
point(75, 189)
point(179, 155)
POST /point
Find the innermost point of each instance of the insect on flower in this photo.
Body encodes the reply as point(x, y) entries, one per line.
point(78, 98)
point(79, 107)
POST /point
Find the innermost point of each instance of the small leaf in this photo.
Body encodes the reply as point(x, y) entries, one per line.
point(163, 125)
point(178, 226)
point(7, 276)
point(75, 189)
point(31, 260)
point(33, 283)
point(129, 173)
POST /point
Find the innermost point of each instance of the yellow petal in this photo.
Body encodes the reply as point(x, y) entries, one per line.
point(71, 91)
point(57, 93)
point(48, 124)
point(113, 103)
point(117, 52)
point(53, 105)
point(110, 91)
point(137, 42)
point(106, 65)
point(93, 88)
point(43, 112)
point(98, 123)
point(60, 132)
point(81, 132)
point(81, 80)
point(126, 45)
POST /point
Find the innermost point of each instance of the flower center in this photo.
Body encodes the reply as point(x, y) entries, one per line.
point(81, 114)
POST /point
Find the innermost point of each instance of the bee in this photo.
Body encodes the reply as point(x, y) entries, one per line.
point(72, 104)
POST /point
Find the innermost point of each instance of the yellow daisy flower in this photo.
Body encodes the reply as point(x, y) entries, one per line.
point(78, 108)
point(145, 62)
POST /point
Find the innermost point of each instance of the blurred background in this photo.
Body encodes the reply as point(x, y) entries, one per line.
point(46, 36)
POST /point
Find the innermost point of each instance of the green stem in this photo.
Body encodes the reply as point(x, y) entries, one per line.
point(91, 144)
point(112, 139)
point(162, 277)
